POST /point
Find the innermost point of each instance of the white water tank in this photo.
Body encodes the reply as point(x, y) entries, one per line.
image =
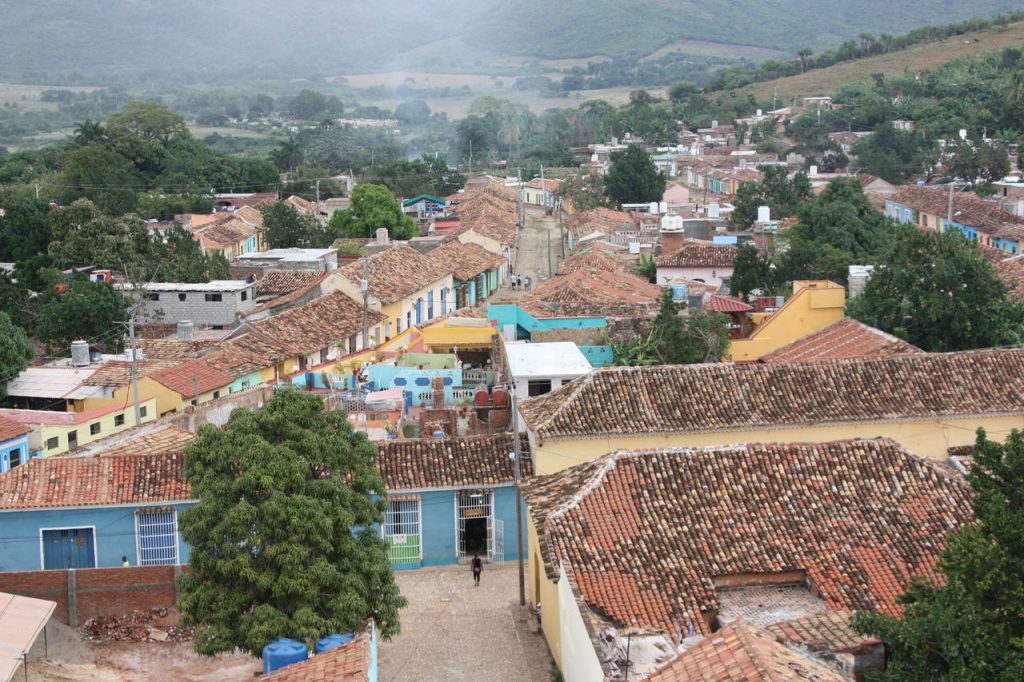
point(186, 330)
point(79, 353)
point(714, 211)
point(662, 207)
point(653, 208)
point(764, 214)
point(382, 236)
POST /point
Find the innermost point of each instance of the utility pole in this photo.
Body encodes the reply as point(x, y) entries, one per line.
point(318, 194)
point(949, 212)
point(522, 208)
point(470, 156)
point(364, 286)
point(516, 455)
point(195, 386)
point(134, 367)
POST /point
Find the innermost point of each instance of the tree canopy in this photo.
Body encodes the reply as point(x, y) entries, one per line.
point(286, 228)
point(15, 351)
point(970, 626)
point(633, 178)
point(283, 537)
point(939, 293)
point(373, 207)
point(675, 339)
point(79, 309)
point(776, 190)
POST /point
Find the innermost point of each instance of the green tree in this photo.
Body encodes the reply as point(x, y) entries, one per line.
point(80, 309)
point(633, 178)
point(646, 268)
point(751, 272)
point(803, 54)
point(969, 626)
point(15, 351)
point(373, 207)
point(287, 155)
point(680, 340)
point(149, 121)
point(414, 112)
point(940, 293)
point(179, 258)
point(896, 155)
point(283, 537)
point(582, 194)
point(285, 227)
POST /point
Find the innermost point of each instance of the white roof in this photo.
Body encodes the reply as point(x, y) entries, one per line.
point(21, 621)
point(286, 254)
point(554, 359)
point(52, 382)
point(213, 285)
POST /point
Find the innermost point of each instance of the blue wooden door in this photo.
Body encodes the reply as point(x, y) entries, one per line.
point(68, 548)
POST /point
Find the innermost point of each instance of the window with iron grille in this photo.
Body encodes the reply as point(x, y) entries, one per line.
point(157, 535)
point(402, 530)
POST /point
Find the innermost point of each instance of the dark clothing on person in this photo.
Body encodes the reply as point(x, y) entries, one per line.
point(478, 566)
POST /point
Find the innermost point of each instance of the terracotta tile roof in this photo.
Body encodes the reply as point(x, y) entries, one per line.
point(236, 359)
point(316, 324)
point(465, 261)
point(741, 652)
point(187, 377)
point(347, 663)
point(645, 533)
point(1009, 268)
point(150, 469)
point(301, 205)
point(169, 349)
point(549, 184)
point(225, 232)
point(490, 211)
point(973, 210)
point(251, 215)
point(694, 253)
point(118, 372)
point(727, 304)
point(822, 632)
point(603, 220)
point(396, 272)
point(53, 417)
point(592, 261)
point(277, 282)
point(10, 429)
point(169, 439)
point(592, 294)
point(847, 338)
point(717, 397)
point(448, 462)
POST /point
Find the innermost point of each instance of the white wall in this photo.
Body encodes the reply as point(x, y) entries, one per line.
point(579, 660)
point(713, 276)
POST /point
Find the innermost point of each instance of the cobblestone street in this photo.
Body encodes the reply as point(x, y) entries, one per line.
point(453, 631)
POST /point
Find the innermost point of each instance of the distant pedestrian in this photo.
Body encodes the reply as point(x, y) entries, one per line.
point(515, 281)
point(478, 567)
point(529, 282)
point(124, 561)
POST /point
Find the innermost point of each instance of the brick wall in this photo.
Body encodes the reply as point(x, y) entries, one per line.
point(89, 592)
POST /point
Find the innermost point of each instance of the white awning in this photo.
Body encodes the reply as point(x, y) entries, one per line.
point(21, 621)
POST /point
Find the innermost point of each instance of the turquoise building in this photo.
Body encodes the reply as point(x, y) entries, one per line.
point(13, 444)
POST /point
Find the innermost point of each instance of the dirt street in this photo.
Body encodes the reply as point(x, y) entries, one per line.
point(453, 631)
point(539, 238)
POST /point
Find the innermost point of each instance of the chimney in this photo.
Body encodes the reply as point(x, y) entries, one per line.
point(437, 383)
point(186, 330)
point(382, 236)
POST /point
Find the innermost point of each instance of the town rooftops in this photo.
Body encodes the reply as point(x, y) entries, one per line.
point(722, 397)
point(587, 293)
point(649, 536)
point(397, 272)
point(147, 470)
point(192, 378)
point(829, 632)
point(271, 256)
point(310, 327)
point(694, 253)
point(592, 260)
point(349, 662)
point(116, 373)
point(54, 418)
point(10, 429)
point(552, 359)
point(548, 185)
point(465, 261)
point(969, 209)
point(603, 220)
point(846, 338)
point(1009, 268)
point(169, 349)
point(213, 285)
point(417, 463)
point(278, 282)
point(727, 304)
point(741, 652)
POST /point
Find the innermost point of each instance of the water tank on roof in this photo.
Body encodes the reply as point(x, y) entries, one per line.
point(679, 291)
point(186, 330)
point(328, 642)
point(714, 211)
point(764, 214)
point(282, 652)
point(438, 434)
point(382, 236)
point(79, 353)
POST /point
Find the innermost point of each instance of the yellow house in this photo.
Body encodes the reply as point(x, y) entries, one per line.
point(926, 402)
point(194, 382)
point(813, 306)
point(458, 332)
point(411, 288)
point(54, 433)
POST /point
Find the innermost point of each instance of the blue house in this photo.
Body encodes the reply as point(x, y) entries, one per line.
point(13, 444)
point(89, 512)
point(979, 221)
point(450, 499)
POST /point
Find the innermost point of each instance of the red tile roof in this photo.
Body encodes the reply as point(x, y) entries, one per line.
point(397, 272)
point(118, 372)
point(593, 261)
point(694, 253)
point(828, 632)
point(347, 663)
point(741, 652)
point(447, 462)
point(846, 338)
point(187, 377)
point(58, 418)
point(314, 325)
point(1009, 268)
point(728, 304)
point(278, 282)
point(974, 211)
point(10, 429)
point(717, 397)
point(586, 293)
point(149, 469)
point(644, 533)
point(170, 349)
point(465, 261)
point(603, 220)
point(549, 184)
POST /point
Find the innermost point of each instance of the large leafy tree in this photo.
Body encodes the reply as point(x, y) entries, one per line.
point(80, 309)
point(147, 121)
point(776, 190)
point(15, 351)
point(426, 175)
point(752, 272)
point(373, 207)
point(938, 292)
point(285, 228)
point(283, 538)
point(633, 178)
point(970, 626)
point(675, 339)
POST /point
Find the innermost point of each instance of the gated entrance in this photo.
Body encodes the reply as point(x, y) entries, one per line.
point(475, 523)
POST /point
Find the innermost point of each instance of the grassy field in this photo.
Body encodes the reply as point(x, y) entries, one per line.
point(27, 96)
point(705, 48)
point(918, 58)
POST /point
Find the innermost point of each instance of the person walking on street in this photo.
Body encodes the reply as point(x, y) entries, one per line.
point(478, 566)
point(528, 282)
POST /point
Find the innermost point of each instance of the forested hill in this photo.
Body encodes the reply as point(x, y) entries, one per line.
point(136, 40)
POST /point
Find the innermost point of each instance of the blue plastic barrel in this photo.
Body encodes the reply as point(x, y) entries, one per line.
point(328, 642)
point(282, 652)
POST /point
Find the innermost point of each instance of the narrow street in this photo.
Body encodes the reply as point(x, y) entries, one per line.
point(539, 250)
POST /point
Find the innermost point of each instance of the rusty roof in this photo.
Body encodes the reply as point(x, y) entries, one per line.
point(346, 663)
point(415, 463)
point(396, 272)
point(828, 632)
point(645, 533)
point(465, 261)
point(846, 338)
point(720, 397)
point(695, 253)
point(10, 429)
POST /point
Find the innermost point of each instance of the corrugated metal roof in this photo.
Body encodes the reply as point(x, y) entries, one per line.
point(51, 382)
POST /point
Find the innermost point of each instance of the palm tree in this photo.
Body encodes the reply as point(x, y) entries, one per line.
point(89, 132)
point(866, 41)
point(803, 53)
point(288, 154)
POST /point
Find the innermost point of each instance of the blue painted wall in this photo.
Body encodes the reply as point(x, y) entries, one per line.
point(526, 323)
point(598, 356)
point(242, 383)
point(115, 535)
point(18, 446)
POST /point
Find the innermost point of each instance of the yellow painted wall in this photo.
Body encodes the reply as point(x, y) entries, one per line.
point(546, 595)
point(398, 310)
point(812, 307)
point(83, 430)
point(166, 399)
point(492, 245)
point(925, 437)
point(441, 336)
